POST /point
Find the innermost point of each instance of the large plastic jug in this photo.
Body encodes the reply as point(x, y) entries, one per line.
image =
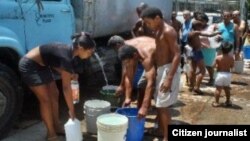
point(73, 130)
point(75, 91)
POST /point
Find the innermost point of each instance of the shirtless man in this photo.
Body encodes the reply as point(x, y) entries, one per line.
point(197, 56)
point(241, 30)
point(223, 63)
point(176, 24)
point(140, 49)
point(167, 60)
point(140, 29)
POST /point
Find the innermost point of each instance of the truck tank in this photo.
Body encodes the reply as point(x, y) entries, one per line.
point(107, 17)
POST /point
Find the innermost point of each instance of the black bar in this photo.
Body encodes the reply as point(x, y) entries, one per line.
point(209, 132)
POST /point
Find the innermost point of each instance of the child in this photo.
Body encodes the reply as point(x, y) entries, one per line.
point(223, 63)
point(197, 56)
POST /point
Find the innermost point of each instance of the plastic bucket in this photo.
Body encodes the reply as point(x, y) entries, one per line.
point(238, 66)
point(108, 94)
point(111, 127)
point(246, 52)
point(135, 126)
point(92, 109)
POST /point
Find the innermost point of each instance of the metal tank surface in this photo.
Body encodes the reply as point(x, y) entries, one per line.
point(107, 17)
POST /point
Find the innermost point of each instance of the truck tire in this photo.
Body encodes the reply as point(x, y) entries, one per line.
point(10, 99)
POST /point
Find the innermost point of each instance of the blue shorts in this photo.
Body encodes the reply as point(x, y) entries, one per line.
point(138, 75)
point(197, 55)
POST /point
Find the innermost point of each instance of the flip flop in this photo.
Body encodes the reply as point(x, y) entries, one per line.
point(198, 91)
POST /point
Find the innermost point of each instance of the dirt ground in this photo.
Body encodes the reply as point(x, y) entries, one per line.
point(190, 109)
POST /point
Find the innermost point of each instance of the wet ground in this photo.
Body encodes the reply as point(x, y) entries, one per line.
point(190, 109)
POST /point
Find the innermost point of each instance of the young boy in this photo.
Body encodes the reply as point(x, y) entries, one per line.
point(223, 63)
point(197, 56)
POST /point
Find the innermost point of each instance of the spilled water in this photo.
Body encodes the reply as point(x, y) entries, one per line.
point(101, 64)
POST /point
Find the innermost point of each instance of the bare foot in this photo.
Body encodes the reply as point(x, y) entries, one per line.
point(215, 104)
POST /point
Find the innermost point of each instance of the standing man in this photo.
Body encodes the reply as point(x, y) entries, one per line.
point(241, 28)
point(176, 24)
point(167, 60)
point(186, 28)
point(230, 32)
point(140, 29)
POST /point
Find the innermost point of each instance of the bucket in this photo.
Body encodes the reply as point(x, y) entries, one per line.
point(238, 66)
point(135, 130)
point(246, 52)
point(108, 94)
point(111, 127)
point(92, 109)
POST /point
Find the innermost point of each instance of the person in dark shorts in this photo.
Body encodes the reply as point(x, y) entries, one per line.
point(197, 59)
point(37, 70)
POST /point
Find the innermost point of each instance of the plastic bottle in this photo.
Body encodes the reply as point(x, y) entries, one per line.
point(73, 130)
point(75, 91)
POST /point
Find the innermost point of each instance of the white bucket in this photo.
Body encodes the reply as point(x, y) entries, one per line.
point(238, 66)
point(112, 127)
point(92, 109)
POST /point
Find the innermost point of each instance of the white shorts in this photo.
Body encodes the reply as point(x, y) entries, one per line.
point(223, 79)
point(169, 98)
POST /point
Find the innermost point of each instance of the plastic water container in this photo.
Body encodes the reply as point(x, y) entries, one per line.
point(73, 130)
point(238, 66)
point(75, 91)
point(135, 130)
point(112, 127)
point(93, 109)
point(246, 52)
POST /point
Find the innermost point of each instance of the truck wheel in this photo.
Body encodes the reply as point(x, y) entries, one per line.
point(10, 100)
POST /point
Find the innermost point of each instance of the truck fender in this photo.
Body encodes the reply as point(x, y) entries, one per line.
point(9, 39)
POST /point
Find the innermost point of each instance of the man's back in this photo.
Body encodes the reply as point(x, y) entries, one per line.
point(142, 43)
